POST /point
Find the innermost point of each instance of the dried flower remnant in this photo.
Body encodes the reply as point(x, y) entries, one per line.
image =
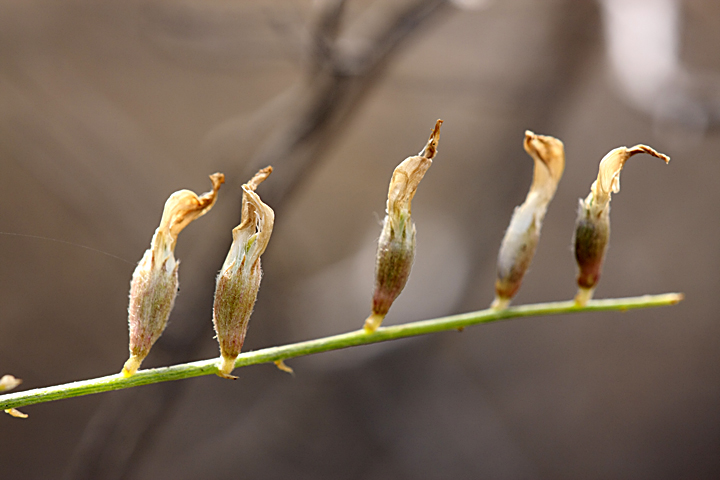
point(239, 279)
point(8, 382)
point(396, 246)
point(592, 228)
point(522, 236)
point(154, 283)
point(14, 412)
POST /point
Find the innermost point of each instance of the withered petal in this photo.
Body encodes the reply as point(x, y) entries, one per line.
point(180, 209)
point(8, 382)
point(549, 156)
point(407, 176)
point(608, 180)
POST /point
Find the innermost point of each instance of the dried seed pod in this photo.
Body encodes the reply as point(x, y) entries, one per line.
point(592, 228)
point(396, 246)
point(239, 279)
point(521, 238)
point(154, 283)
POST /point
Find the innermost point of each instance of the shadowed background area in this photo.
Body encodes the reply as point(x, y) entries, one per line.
point(106, 108)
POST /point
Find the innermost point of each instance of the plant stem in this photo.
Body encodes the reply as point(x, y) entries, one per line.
point(335, 342)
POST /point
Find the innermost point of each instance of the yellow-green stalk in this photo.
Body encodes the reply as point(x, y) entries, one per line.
point(592, 228)
point(522, 236)
point(239, 279)
point(154, 283)
point(396, 246)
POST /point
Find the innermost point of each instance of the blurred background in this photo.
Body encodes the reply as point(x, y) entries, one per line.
point(106, 108)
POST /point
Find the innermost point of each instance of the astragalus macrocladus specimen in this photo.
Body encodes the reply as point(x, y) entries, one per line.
point(396, 246)
point(522, 236)
point(239, 279)
point(592, 228)
point(154, 283)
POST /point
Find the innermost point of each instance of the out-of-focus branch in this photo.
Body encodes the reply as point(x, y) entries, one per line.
point(344, 65)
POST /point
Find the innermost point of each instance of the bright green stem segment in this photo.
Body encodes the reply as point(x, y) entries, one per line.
point(335, 342)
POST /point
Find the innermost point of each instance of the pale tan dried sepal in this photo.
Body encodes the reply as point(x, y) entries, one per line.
point(407, 176)
point(257, 217)
point(239, 279)
point(8, 382)
point(523, 233)
point(155, 280)
point(280, 364)
point(608, 179)
point(14, 412)
point(180, 209)
point(548, 153)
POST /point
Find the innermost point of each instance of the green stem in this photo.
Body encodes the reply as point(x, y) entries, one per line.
point(335, 342)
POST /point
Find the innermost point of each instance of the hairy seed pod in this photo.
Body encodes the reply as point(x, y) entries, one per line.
point(522, 236)
point(592, 228)
point(239, 279)
point(154, 283)
point(396, 246)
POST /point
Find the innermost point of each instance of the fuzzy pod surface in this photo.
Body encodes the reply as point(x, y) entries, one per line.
point(154, 283)
point(239, 279)
point(396, 246)
point(592, 227)
point(523, 234)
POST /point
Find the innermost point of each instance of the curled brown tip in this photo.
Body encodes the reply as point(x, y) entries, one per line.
point(431, 148)
point(528, 142)
point(649, 150)
point(259, 177)
point(217, 179)
point(200, 206)
point(549, 151)
point(206, 201)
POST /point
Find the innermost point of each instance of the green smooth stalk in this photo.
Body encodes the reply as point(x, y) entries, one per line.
point(334, 342)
